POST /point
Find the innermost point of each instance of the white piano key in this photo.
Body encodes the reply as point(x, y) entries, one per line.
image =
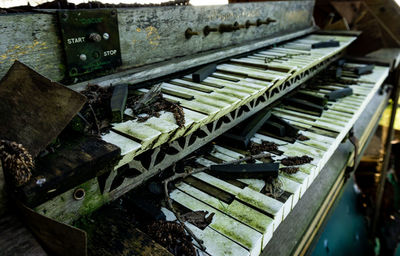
point(217, 244)
point(141, 132)
point(128, 146)
point(242, 234)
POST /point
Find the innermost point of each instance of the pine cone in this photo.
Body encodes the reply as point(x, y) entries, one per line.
point(16, 161)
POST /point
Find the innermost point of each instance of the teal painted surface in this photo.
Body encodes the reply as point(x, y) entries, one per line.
point(345, 232)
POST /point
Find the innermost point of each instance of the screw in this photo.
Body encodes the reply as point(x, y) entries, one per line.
point(106, 36)
point(189, 33)
point(83, 57)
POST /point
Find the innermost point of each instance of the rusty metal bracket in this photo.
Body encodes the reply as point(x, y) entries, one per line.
point(91, 40)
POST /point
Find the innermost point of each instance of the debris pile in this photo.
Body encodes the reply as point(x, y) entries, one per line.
point(301, 137)
point(273, 187)
point(289, 170)
point(265, 146)
point(16, 161)
point(149, 105)
point(296, 160)
point(198, 218)
point(172, 236)
point(96, 113)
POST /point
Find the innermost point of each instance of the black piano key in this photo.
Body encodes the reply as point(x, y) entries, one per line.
point(177, 94)
point(225, 78)
point(248, 128)
point(367, 69)
point(189, 86)
point(246, 171)
point(341, 93)
point(325, 44)
point(118, 102)
point(275, 128)
point(304, 104)
point(203, 73)
point(319, 100)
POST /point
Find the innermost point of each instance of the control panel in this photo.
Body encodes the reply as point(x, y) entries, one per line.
point(91, 41)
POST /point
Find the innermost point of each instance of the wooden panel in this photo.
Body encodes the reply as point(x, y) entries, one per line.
point(15, 238)
point(149, 35)
point(69, 166)
point(2, 192)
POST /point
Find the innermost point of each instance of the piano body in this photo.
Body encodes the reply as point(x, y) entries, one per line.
point(266, 57)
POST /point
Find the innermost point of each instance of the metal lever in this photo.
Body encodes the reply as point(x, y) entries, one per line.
point(189, 33)
point(207, 30)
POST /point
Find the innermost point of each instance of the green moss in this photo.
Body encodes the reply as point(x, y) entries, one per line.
point(232, 235)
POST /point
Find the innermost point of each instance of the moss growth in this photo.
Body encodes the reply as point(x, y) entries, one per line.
point(232, 235)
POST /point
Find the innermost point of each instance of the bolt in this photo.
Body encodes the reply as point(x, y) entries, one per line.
point(106, 36)
point(83, 57)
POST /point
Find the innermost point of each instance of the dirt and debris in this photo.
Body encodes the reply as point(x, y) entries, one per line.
point(95, 116)
point(64, 4)
point(153, 106)
point(296, 160)
point(256, 148)
point(301, 137)
point(172, 236)
point(289, 170)
point(273, 187)
point(198, 218)
point(16, 161)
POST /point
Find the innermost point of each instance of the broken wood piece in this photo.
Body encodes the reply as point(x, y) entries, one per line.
point(203, 73)
point(246, 171)
point(34, 109)
point(325, 44)
point(118, 102)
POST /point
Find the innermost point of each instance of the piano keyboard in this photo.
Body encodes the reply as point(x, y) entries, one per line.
point(234, 84)
point(245, 216)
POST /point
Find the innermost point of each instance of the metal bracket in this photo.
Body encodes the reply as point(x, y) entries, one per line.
point(91, 40)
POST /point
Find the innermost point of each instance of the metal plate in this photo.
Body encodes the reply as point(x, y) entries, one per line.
point(91, 40)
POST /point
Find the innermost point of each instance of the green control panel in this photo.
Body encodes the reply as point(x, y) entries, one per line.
point(91, 40)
